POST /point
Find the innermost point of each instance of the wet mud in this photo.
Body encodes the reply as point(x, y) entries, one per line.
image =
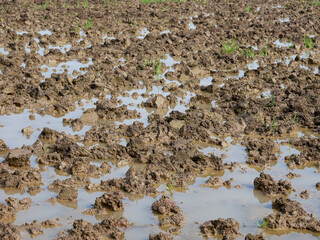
point(159, 120)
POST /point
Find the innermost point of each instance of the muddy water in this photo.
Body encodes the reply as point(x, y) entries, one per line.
point(198, 202)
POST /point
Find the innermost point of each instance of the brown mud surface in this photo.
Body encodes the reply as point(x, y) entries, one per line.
point(133, 119)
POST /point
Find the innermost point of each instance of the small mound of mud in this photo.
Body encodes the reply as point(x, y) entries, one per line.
point(261, 152)
point(160, 236)
point(3, 146)
point(18, 178)
point(254, 237)
point(309, 153)
point(108, 228)
point(107, 202)
point(8, 212)
point(268, 186)
point(171, 213)
point(213, 182)
point(226, 227)
point(18, 157)
point(291, 215)
point(9, 231)
point(68, 194)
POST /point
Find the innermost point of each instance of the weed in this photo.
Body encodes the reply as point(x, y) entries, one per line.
point(1, 8)
point(274, 123)
point(294, 118)
point(248, 8)
point(131, 23)
point(85, 4)
point(248, 52)
point(263, 223)
point(316, 3)
point(64, 5)
point(78, 4)
point(309, 42)
point(76, 28)
point(272, 100)
point(265, 52)
point(170, 187)
point(76, 14)
point(158, 69)
point(230, 47)
point(289, 144)
point(106, 3)
point(43, 6)
point(291, 44)
point(149, 63)
point(89, 23)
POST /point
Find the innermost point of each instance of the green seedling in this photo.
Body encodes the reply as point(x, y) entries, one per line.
point(248, 52)
point(230, 47)
point(89, 23)
point(106, 3)
point(272, 100)
point(149, 63)
point(291, 44)
point(158, 69)
point(309, 42)
point(170, 187)
point(316, 3)
point(76, 28)
point(43, 6)
point(263, 223)
point(85, 4)
point(274, 123)
point(248, 8)
point(289, 144)
point(294, 118)
point(265, 53)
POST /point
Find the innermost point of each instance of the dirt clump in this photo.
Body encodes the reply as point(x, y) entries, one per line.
point(18, 157)
point(254, 237)
point(214, 182)
point(68, 194)
point(309, 154)
point(9, 231)
point(108, 228)
point(305, 194)
point(225, 227)
point(171, 214)
point(160, 236)
point(291, 215)
point(3, 146)
point(268, 186)
point(8, 212)
point(261, 153)
point(18, 178)
point(107, 202)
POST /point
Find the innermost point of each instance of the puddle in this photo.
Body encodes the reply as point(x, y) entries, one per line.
point(144, 33)
point(192, 26)
point(206, 81)
point(13, 124)
point(45, 32)
point(284, 20)
point(282, 44)
point(70, 67)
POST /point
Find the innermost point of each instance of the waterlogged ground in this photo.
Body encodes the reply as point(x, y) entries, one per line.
point(159, 119)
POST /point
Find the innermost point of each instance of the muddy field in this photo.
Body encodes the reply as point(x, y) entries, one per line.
point(158, 119)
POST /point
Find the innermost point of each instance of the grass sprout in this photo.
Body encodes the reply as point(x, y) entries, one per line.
point(309, 42)
point(263, 223)
point(170, 187)
point(230, 46)
point(274, 123)
point(89, 23)
point(248, 52)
